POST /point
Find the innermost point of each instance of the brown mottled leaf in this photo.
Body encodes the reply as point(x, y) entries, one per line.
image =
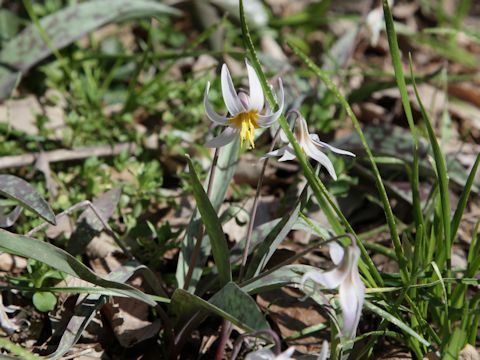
point(64, 27)
point(18, 189)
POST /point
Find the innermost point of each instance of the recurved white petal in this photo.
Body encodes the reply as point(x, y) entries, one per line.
point(256, 92)
point(352, 294)
point(351, 302)
point(227, 136)
point(283, 136)
point(324, 354)
point(230, 97)
point(278, 152)
point(268, 119)
point(262, 354)
point(336, 252)
point(312, 151)
point(289, 154)
point(317, 141)
point(212, 114)
point(267, 354)
point(329, 279)
point(286, 355)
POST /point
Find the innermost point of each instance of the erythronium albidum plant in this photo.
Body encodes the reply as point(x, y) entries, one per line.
point(246, 111)
point(346, 277)
point(311, 145)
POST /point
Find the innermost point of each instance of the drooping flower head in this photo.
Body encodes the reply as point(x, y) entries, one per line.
point(246, 111)
point(375, 23)
point(346, 277)
point(311, 145)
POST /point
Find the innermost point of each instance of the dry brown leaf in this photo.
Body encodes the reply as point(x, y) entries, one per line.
point(466, 91)
point(469, 353)
point(291, 315)
point(12, 263)
point(21, 115)
point(129, 318)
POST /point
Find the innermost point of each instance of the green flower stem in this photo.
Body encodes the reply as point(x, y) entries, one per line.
point(378, 180)
point(324, 199)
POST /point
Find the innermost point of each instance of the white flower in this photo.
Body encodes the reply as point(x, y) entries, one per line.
point(375, 23)
point(245, 110)
point(311, 145)
point(267, 354)
point(324, 354)
point(345, 276)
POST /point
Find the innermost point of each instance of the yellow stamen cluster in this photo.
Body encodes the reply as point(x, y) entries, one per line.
point(247, 123)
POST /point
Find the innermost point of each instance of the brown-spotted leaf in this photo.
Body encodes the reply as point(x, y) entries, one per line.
point(64, 27)
point(18, 189)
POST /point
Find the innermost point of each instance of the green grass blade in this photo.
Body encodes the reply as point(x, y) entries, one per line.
point(63, 261)
point(402, 87)
point(456, 343)
point(213, 227)
point(395, 321)
point(462, 202)
point(441, 173)
point(17, 350)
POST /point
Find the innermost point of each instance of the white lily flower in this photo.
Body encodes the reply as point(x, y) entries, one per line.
point(311, 145)
point(245, 110)
point(325, 349)
point(375, 23)
point(267, 354)
point(346, 277)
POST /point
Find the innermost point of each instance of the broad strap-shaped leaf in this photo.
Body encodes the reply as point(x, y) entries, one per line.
point(286, 275)
point(64, 27)
point(86, 309)
point(213, 227)
point(18, 189)
point(261, 232)
point(225, 168)
point(9, 219)
point(61, 260)
point(266, 248)
point(230, 303)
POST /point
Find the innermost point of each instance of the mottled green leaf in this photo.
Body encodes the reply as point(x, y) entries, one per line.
point(64, 27)
point(21, 191)
point(86, 309)
point(7, 220)
point(213, 227)
point(61, 260)
point(286, 275)
point(225, 168)
point(230, 303)
point(266, 248)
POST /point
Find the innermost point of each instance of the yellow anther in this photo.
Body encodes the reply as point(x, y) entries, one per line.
point(247, 123)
